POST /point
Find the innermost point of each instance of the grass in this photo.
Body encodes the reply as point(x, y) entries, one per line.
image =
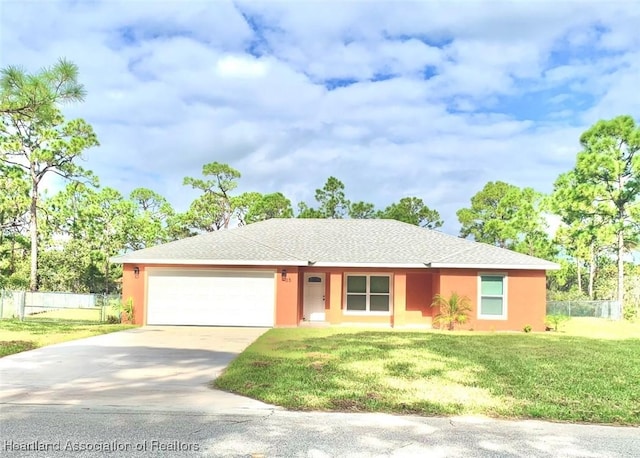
point(17, 336)
point(14, 346)
point(84, 316)
point(562, 376)
point(601, 328)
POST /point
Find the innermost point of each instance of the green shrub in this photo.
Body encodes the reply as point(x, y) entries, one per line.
point(124, 309)
point(453, 310)
point(112, 319)
point(554, 321)
point(630, 313)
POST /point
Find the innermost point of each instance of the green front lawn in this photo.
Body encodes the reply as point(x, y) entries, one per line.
point(17, 336)
point(80, 316)
point(553, 376)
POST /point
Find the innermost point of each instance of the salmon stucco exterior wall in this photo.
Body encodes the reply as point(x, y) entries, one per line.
point(412, 294)
point(398, 318)
point(419, 299)
point(527, 300)
point(334, 313)
point(287, 297)
point(526, 297)
point(133, 288)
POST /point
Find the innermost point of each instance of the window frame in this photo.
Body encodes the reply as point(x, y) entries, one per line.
point(367, 293)
point(504, 296)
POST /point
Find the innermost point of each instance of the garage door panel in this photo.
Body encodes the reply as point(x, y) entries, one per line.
point(210, 298)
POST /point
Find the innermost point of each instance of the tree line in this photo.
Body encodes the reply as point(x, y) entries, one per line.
point(64, 241)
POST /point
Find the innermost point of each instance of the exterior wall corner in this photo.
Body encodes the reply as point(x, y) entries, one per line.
point(287, 300)
point(399, 299)
point(133, 287)
point(334, 311)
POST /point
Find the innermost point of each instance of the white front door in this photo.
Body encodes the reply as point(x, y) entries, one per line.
point(314, 297)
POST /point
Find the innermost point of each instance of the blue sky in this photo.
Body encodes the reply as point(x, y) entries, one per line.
point(426, 99)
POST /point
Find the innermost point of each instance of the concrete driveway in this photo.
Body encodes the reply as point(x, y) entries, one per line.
point(151, 368)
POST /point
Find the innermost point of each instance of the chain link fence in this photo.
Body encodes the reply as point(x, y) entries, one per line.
point(601, 309)
point(55, 306)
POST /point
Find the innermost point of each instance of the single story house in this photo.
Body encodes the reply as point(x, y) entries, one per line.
point(285, 272)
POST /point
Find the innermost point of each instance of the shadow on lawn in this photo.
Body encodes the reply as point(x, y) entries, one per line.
point(539, 376)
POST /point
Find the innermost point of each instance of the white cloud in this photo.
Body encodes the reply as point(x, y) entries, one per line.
point(240, 67)
point(173, 85)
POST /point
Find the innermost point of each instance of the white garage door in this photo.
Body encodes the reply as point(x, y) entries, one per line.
point(210, 298)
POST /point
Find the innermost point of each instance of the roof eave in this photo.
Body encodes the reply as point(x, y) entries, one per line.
point(381, 265)
point(453, 265)
point(204, 262)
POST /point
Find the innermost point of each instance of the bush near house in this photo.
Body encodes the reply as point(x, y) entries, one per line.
point(123, 309)
point(453, 310)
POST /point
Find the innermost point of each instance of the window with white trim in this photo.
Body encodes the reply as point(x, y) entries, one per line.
point(493, 297)
point(368, 293)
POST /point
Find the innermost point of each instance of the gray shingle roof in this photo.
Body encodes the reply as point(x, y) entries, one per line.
point(326, 242)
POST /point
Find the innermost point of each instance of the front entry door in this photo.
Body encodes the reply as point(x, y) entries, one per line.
point(314, 297)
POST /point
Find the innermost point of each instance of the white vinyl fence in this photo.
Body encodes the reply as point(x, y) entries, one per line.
point(26, 304)
point(10, 304)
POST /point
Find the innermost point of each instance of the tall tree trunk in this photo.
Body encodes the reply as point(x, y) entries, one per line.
point(579, 274)
point(592, 269)
point(106, 276)
point(621, 267)
point(12, 259)
point(33, 229)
